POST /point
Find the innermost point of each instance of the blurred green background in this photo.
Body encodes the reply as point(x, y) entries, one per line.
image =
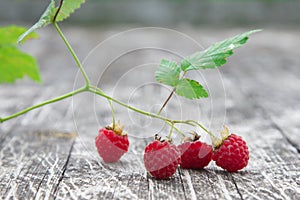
point(164, 12)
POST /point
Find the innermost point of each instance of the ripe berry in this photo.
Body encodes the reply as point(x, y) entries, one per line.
point(161, 159)
point(232, 154)
point(195, 154)
point(112, 143)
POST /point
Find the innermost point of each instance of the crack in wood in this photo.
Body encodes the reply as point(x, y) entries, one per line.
point(39, 185)
point(182, 183)
point(236, 187)
point(277, 127)
point(64, 171)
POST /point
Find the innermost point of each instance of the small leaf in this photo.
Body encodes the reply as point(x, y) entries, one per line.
point(216, 54)
point(68, 7)
point(168, 73)
point(45, 19)
point(16, 64)
point(9, 35)
point(190, 89)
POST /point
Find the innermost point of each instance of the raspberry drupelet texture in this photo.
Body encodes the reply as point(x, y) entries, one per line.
point(161, 159)
point(195, 155)
point(232, 155)
point(110, 145)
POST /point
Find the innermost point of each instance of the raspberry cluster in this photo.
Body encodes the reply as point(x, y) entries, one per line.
point(162, 158)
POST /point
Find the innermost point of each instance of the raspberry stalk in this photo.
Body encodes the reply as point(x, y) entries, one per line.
point(74, 55)
point(168, 121)
point(93, 89)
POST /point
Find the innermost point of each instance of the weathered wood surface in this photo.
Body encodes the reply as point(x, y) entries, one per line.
point(41, 157)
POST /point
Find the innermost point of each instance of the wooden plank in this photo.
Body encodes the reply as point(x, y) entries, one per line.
point(210, 183)
point(32, 159)
point(45, 164)
point(33, 163)
point(273, 167)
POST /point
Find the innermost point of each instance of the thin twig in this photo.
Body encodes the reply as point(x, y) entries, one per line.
point(169, 97)
point(80, 90)
point(167, 100)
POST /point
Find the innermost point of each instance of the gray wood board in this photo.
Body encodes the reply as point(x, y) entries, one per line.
point(40, 159)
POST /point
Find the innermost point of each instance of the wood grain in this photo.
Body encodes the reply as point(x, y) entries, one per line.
point(50, 154)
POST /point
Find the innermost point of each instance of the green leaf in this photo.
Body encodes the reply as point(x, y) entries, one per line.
point(45, 19)
point(168, 73)
point(68, 7)
point(9, 35)
point(215, 55)
point(190, 89)
point(16, 64)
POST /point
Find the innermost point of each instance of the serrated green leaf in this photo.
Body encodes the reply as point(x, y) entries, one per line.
point(168, 73)
point(45, 19)
point(215, 55)
point(68, 7)
point(16, 64)
point(9, 35)
point(190, 89)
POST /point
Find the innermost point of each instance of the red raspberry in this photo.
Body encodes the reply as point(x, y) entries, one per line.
point(111, 143)
point(232, 155)
point(161, 159)
point(195, 155)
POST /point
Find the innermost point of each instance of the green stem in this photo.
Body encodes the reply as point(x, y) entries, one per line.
point(169, 97)
point(166, 120)
point(188, 122)
point(87, 81)
point(179, 131)
point(95, 90)
point(112, 113)
point(99, 92)
point(175, 128)
point(110, 104)
point(171, 131)
point(201, 126)
point(171, 122)
point(43, 104)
